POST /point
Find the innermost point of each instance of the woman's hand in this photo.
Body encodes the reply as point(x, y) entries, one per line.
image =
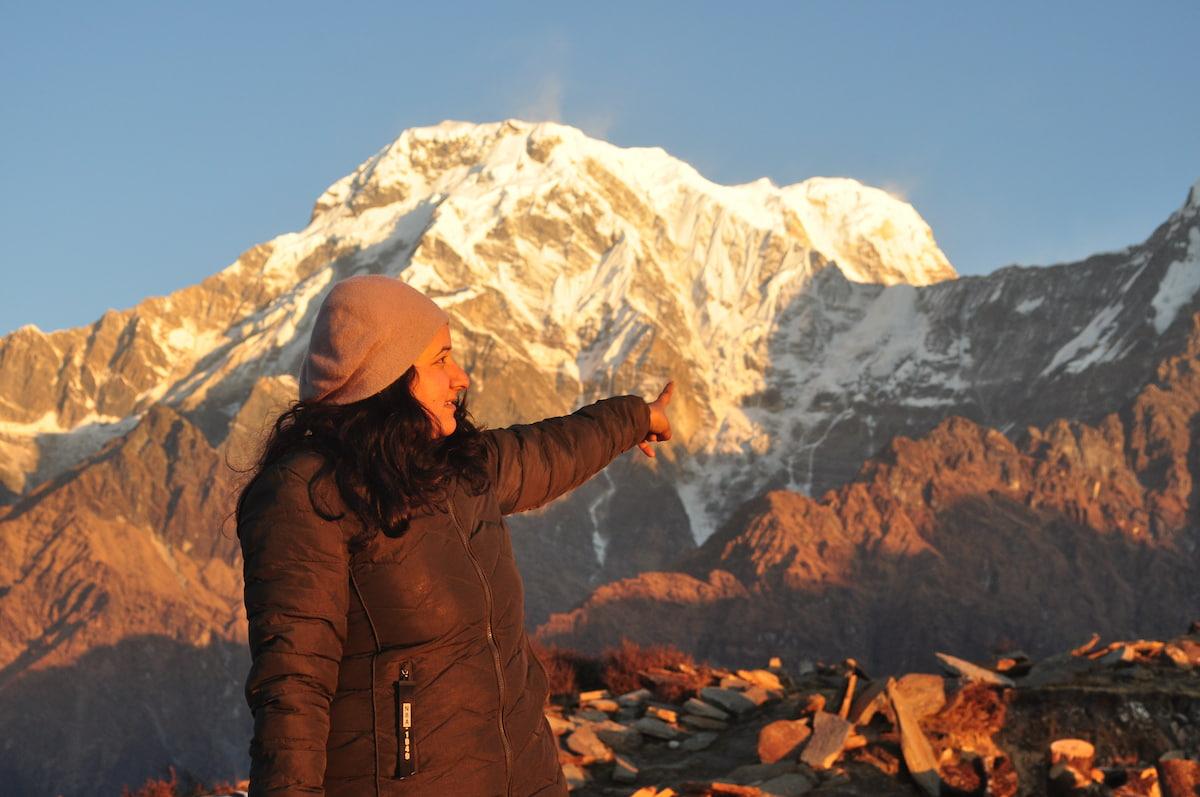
point(660, 426)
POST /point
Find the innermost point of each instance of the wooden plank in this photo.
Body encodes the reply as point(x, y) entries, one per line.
point(918, 755)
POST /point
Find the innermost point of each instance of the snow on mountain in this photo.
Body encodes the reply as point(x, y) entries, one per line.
point(804, 325)
point(564, 231)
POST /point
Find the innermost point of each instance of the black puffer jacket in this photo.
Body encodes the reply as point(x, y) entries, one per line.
point(406, 669)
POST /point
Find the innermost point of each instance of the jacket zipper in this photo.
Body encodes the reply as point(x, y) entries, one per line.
point(406, 754)
point(487, 598)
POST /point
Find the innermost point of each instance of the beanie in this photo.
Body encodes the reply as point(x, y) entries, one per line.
point(368, 331)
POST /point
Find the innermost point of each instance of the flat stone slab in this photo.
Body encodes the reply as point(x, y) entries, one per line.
point(702, 709)
point(829, 734)
point(699, 741)
point(664, 714)
point(973, 672)
point(792, 784)
point(617, 736)
point(623, 771)
point(868, 702)
point(576, 777)
point(757, 695)
point(731, 700)
point(656, 728)
point(634, 698)
point(764, 678)
point(559, 725)
point(692, 721)
point(918, 755)
point(584, 741)
point(782, 739)
point(606, 705)
point(923, 693)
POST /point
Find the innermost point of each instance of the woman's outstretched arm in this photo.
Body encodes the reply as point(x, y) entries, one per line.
point(297, 594)
point(532, 464)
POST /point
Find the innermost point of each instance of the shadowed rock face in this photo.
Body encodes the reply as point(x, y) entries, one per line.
point(120, 713)
point(960, 539)
point(122, 629)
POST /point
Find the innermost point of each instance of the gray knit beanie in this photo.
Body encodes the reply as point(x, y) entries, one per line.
point(368, 332)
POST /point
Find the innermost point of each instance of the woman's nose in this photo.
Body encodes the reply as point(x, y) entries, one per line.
point(462, 381)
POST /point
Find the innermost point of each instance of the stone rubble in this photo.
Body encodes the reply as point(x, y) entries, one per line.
point(833, 729)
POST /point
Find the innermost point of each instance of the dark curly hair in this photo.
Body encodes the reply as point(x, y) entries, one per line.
point(382, 454)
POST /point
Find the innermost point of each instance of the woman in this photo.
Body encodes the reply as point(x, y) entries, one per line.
point(385, 608)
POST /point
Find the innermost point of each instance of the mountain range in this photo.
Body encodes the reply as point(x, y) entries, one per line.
point(871, 454)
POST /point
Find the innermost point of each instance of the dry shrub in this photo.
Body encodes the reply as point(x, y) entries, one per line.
point(568, 671)
point(622, 665)
point(156, 787)
point(173, 786)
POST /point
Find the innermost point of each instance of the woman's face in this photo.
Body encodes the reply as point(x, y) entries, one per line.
point(438, 382)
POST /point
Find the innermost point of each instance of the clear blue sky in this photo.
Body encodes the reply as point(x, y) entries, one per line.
point(145, 145)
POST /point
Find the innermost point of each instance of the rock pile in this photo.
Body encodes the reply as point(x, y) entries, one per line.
point(1115, 719)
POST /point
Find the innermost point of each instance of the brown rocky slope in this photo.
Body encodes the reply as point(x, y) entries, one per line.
point(962, 538)
point(122, 629)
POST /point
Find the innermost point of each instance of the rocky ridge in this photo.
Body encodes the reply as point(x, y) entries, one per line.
point(806, 326)
point(962, 537)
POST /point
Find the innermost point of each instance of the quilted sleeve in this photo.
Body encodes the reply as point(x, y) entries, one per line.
point(297, 594)
point(532, 464)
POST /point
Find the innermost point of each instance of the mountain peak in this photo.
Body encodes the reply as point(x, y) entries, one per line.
point(872, 236)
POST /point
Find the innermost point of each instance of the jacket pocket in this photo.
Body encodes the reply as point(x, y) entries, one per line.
point(404, 688)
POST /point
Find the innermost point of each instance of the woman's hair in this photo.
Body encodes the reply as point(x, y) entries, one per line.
point(382, 454)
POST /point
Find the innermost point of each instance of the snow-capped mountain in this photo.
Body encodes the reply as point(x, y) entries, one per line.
point(567, 254)
point(805, 326)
